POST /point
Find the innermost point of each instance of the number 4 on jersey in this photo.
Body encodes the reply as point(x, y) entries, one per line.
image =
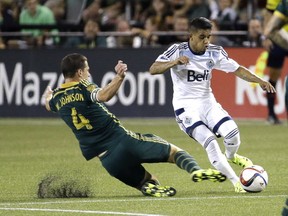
point(79, 120)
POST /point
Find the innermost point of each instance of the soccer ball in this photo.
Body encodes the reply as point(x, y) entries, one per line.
point(254, 179)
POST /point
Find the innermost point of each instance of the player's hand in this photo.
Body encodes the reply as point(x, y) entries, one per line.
point(48, 96)
point(266, 86)
point(182, 60)
point(48, 93)
point(267, 44)
point(121, 69)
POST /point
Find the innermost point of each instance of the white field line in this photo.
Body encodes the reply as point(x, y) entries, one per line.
point(77, 211)
point(145, 199)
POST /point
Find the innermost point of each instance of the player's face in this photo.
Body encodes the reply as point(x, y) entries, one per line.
point(200, 40)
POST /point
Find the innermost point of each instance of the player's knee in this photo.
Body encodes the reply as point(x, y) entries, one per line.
point(173, 151)
point(232, 138)
point(203, 135)
point(274, 74)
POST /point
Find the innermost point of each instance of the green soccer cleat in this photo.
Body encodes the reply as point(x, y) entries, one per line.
point(151, 189)
point(241, 161)
point(238, 188)
point(207, 174)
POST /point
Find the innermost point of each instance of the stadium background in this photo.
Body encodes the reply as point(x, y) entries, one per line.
point(24, 75)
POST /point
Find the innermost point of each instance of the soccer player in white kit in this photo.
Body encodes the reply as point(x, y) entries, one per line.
point(196, 109)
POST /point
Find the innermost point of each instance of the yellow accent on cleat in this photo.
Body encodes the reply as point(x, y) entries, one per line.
point(207, 174)
point(241, 161)
point(238, 188)
point(150, 189)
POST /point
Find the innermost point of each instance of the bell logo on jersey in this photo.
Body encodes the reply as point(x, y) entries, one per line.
point(193, 76)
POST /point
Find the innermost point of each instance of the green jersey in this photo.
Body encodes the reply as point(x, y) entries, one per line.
point(99, 131)
point(93, 125)
point(282, 9)
point(278, 6)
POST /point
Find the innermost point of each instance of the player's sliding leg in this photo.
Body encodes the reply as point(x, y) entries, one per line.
point(208, 174)
point(186, 162)
point(183, 160)
point(150, 186)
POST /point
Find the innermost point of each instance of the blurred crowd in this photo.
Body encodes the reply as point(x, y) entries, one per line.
point(138, 23)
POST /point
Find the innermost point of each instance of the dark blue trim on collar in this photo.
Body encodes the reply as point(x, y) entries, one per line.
point(193, 51)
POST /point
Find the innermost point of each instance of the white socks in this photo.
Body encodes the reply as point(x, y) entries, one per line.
point(219, 161)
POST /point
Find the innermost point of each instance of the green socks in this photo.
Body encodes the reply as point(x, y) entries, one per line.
point(186, 161)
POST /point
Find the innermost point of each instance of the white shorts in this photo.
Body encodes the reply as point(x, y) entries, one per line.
point(201, 112)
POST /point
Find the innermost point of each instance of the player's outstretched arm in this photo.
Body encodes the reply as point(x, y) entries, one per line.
point(248, 76)
point(162, 67)
point(274, 23)
point(107, 92)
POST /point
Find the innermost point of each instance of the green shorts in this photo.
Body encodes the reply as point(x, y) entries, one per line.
point(124, 160)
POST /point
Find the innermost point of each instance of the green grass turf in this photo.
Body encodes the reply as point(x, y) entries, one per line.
point(31, 148)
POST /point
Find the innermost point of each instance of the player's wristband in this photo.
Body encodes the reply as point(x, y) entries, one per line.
point(94, 95)
point(263, 37)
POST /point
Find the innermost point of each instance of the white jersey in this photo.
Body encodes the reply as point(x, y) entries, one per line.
point(193, 80)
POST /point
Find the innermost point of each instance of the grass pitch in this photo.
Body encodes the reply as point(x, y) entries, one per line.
point(32, 148)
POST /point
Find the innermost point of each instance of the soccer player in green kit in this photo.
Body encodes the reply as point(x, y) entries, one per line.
point(275, 32)
point(100, 134)
point(278, 23)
